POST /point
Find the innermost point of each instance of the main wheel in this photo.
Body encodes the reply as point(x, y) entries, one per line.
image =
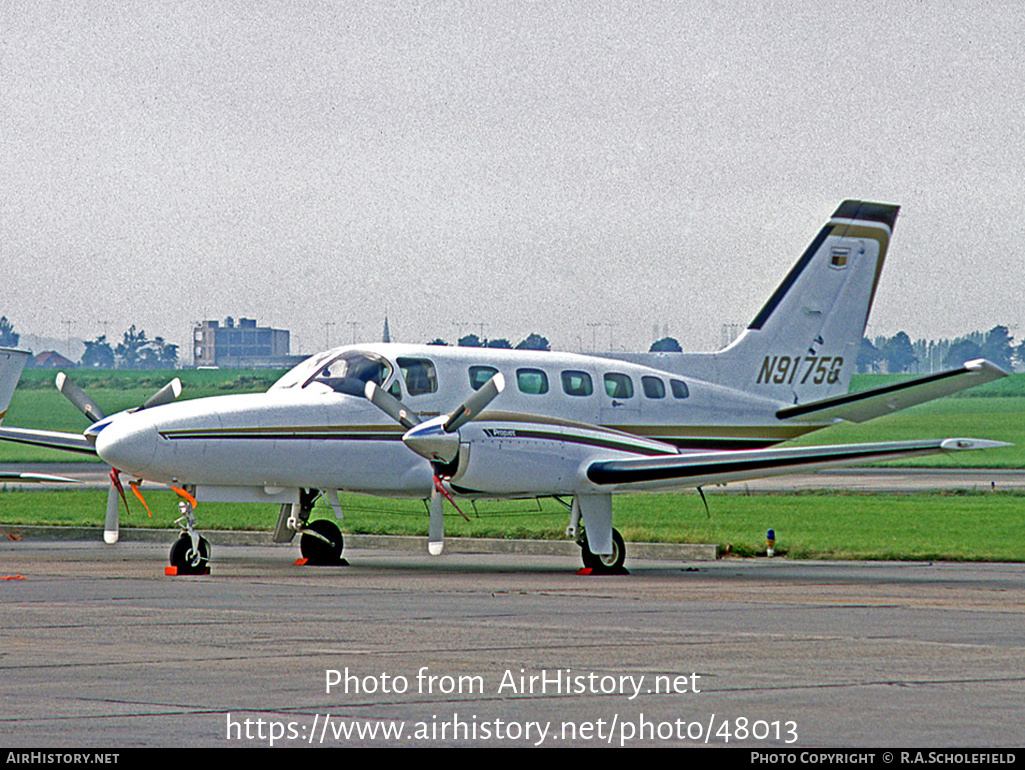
point(605, 563)
point(186, 560)
point(315, 550)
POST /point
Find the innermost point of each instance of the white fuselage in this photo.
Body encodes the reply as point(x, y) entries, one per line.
point(313, 429)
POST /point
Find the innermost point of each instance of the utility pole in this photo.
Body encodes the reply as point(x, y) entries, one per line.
point(67, 324)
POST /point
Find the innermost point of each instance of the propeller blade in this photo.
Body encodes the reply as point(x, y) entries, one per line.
point(390, 405)
point(436, 527)
point(77, 396)
point(112, 525)
point(475, 404)
point(165, 395)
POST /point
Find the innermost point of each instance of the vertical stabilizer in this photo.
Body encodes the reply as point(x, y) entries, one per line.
point(804, 342)
point(11, 363)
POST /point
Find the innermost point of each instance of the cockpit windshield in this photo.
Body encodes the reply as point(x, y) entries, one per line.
point(348, 372)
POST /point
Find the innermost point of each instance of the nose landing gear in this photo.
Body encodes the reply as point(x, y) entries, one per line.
point(190, 554)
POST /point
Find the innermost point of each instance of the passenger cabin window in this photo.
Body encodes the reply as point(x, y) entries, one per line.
point(679, 389)
point(479, 376)
point(420, 375)
point(577, 383)
point(653, 387)
point(618, 385)
point(351, 371)
point(533, 382)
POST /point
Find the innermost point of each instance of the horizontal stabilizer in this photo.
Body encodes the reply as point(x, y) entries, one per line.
point(69, 442)
point(868, 404)
point(703, 468)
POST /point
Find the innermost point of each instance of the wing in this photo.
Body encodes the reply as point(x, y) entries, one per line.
point(867, 404)
point(703, 468)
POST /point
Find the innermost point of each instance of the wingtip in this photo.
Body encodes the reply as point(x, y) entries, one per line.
point(960, 444)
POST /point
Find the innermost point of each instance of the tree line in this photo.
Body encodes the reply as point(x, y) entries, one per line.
point(532, 341)
point(135, 351)
point(900, 354)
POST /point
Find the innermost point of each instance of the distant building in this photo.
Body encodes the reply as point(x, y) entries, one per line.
point(241, 345)
point(51, 359)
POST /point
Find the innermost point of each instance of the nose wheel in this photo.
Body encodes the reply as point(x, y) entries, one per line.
point(190, 558)
point(190, 554)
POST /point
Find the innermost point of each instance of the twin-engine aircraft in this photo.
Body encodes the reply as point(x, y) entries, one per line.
point(439, 422)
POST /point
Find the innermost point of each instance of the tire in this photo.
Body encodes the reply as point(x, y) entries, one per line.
point(182, 556)
point(315, 550)
point(605, 564)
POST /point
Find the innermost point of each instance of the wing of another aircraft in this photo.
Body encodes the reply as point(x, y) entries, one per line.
point(68, 442)
point(868, 404)
point(702, 468)
point(36, 478)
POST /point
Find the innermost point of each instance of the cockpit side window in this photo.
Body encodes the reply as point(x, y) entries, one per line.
point(420, 375)
point(479, 375)
point(351, 371)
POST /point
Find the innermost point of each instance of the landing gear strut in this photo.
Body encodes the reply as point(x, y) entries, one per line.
point(190, 554)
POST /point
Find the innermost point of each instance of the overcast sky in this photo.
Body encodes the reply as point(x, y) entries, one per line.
point(529, 166)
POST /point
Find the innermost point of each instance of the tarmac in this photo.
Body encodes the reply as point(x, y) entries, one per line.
point(100, 649)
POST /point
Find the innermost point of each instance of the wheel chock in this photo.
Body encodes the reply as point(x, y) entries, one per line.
point(173, 572)
point(590, 571)
point(301, 561)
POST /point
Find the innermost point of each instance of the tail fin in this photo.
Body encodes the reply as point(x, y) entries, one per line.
point(11, 363)
point(804, 343)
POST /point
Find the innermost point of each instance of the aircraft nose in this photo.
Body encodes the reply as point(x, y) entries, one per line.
point(128, 443)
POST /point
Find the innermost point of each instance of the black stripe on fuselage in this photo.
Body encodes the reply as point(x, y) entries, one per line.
point(286, 434)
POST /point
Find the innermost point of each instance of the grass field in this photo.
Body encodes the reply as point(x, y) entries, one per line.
point(969, 526)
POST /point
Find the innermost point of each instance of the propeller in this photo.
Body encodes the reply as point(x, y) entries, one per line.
point(88, 407)
point(78, 397)
point(438, 441)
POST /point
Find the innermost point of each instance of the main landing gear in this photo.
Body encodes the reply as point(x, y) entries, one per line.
point(605, 564)
point(596, 511)
point(320, 541)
